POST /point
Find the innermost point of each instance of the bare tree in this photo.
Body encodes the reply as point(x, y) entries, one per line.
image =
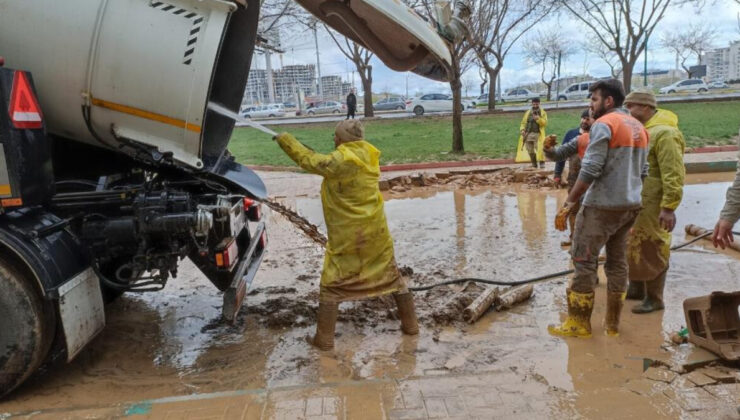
point(546, 48)
point(360, 56)
point(484, 79)
point(623, 26)
point(462, 59)
point(692, 40)
point(495, 26)
point(595, 46)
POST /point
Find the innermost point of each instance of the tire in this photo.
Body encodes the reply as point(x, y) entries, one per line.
point(399, 108)
point(311, 113)
point(28, 325)
point(271, 116)
point(671, 91)
point(419, 110)
point(702, 90)
point(335, 112)
point(562, 98)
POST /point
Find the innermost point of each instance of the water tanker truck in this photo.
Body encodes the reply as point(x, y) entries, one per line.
point(113, 169)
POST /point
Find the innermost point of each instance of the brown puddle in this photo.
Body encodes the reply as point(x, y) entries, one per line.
point(172, 343)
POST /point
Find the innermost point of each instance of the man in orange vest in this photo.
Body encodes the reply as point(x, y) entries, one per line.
point(611, 176)
point(572, 151)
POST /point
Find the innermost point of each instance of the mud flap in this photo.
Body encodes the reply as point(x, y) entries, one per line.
point(245, 272)
point(81, 311)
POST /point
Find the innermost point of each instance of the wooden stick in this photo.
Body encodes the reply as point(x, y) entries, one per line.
point(513, 296)
point(480, 305)
point(697, 231)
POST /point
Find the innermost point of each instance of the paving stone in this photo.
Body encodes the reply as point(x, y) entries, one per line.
point(721, 374)
point(408, 414)
point(700, 379)
point(435, 407)
point(662, 375)
point(413, 400)
point(694, 399)
point(331, 405)
point(290, 404)
point(314, 406)
point(725, 392)
point(645, 386)
point(455, 406)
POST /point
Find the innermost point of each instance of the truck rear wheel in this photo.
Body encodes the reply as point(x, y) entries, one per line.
point(27, 325)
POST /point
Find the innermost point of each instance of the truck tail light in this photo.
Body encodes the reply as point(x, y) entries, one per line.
point(253, 209)
point(228, 255)
point(24, 109)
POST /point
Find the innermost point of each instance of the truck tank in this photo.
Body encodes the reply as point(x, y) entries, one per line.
point(135, 73)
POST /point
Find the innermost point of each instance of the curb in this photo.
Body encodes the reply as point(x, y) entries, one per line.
point(726, 165)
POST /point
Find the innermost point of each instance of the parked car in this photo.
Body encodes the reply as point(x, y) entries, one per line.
point(289, 105)
point(688, 85)
point(518, 95)
point(326, 107)
point(265, 111)
point(434, 102)
point(390, 104)
point(576, 91)
point(718, 85)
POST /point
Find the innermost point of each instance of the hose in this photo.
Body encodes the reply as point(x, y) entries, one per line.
point(535, 279)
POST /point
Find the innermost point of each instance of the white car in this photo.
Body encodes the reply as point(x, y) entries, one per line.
point(434, 102)
point(519, 95)
point(576, 91)
point(688, 85)
point(265, 111)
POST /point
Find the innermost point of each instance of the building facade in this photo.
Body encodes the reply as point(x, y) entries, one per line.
point(723, 64)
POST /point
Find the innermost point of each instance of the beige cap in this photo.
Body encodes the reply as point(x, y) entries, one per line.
point(350, 130)
point(641, 98)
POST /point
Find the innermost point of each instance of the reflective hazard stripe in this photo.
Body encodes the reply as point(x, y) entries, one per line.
point(196, 24)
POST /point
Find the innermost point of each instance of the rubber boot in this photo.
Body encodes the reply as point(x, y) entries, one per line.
point(636, 290)
point(407, 313)
point(533, 158)
point(578, 322)
point(614, 304)
point(653, 296)
point(326, 322)
point(542, 164)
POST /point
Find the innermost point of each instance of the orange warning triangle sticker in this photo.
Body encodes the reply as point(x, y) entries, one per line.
point(24, 109)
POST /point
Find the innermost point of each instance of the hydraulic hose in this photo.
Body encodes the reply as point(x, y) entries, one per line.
point(532, 280)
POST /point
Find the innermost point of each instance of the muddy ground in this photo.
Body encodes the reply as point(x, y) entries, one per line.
point(173, 342)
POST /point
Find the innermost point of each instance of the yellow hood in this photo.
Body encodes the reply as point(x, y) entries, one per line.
point(363, 154)
point(663, 117)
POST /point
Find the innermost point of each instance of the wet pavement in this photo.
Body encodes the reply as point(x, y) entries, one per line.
point(167, 355)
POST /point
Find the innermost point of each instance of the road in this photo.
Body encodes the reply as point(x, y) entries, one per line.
point(504, 108)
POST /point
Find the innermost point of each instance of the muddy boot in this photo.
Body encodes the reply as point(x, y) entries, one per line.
point(407, 313)
point(636, 290)
point(614, 304)
point(542, 164)
point(578, 322)
point(653, 296)
point(326, 321)
point(533, 158)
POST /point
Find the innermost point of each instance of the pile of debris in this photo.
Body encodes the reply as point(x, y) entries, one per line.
point(532, 178)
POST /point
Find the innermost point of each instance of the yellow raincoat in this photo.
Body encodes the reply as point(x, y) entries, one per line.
point(648, 246)
point(521, 152)
point(359, 260)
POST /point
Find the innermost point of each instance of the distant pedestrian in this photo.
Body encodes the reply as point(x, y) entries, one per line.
point(351, 104)
point(532, 130)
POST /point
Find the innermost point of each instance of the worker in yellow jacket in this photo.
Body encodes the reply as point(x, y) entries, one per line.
point(532, 135)
point(359, 260)
point(649, 243)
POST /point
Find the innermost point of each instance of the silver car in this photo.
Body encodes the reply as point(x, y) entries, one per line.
point(265, 111)
point(390, 104)
point(326, 107)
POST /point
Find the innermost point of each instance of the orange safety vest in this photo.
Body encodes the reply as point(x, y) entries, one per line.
point(582, 140)
point(626, 131)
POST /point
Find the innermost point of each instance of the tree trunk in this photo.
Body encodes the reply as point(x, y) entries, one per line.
point(456, 86)
point(483, 87)
point(367, 87)
point(549, 90)
point(627, 76)
point(493, 76)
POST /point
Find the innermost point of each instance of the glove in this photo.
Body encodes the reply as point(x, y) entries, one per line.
point(561, 219)
point(556, 180)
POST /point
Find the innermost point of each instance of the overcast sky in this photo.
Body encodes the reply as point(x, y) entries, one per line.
point(300, 49)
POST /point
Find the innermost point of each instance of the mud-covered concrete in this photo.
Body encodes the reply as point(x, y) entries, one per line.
point(172, 344)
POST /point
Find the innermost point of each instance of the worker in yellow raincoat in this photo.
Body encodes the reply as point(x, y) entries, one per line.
point(359, 260)
point(532, 135)
point(648, 246)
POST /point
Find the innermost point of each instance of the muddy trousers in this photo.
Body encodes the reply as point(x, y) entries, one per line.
point(530, 143)
point(596, 228)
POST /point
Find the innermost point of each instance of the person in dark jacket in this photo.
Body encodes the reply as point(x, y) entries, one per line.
point(569, 136)
point(351, 104)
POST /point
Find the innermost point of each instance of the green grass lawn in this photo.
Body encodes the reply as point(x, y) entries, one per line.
point(485, 136)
